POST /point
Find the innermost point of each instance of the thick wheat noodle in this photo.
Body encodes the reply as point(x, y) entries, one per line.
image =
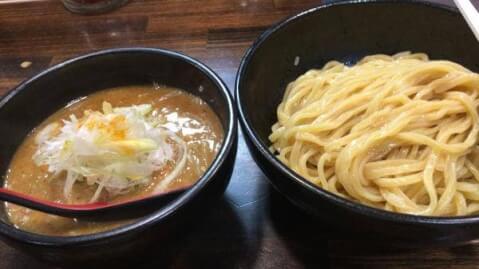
point(393, 132)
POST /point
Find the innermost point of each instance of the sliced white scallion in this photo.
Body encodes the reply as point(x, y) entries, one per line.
point(116, 149)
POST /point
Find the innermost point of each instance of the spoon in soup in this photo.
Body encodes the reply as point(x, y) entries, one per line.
point(114, 149)
point(91, 209)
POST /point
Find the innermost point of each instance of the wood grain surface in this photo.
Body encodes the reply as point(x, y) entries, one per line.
point(257, 228)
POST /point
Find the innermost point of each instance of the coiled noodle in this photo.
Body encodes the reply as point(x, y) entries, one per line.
point(393, 132)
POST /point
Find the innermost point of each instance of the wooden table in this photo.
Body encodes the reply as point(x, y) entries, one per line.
point(258, 229)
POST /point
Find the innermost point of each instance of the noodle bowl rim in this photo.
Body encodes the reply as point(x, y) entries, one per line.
point(253, 136)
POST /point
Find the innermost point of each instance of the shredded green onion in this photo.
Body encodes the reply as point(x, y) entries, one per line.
point(115, 149)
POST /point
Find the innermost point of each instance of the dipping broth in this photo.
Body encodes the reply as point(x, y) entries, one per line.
point(181, 113)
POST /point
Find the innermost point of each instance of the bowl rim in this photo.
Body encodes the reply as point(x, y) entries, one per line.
point(262, 148)
point(163, 213)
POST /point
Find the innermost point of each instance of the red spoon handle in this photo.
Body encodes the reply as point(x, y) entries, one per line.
point(80, 210)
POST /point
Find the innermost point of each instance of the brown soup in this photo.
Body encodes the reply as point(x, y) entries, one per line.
point(188, 116)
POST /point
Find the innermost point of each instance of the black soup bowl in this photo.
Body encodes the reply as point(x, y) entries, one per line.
point(346, 32)
point(37, 98)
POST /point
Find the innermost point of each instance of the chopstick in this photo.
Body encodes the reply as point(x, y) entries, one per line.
point(470, 14)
